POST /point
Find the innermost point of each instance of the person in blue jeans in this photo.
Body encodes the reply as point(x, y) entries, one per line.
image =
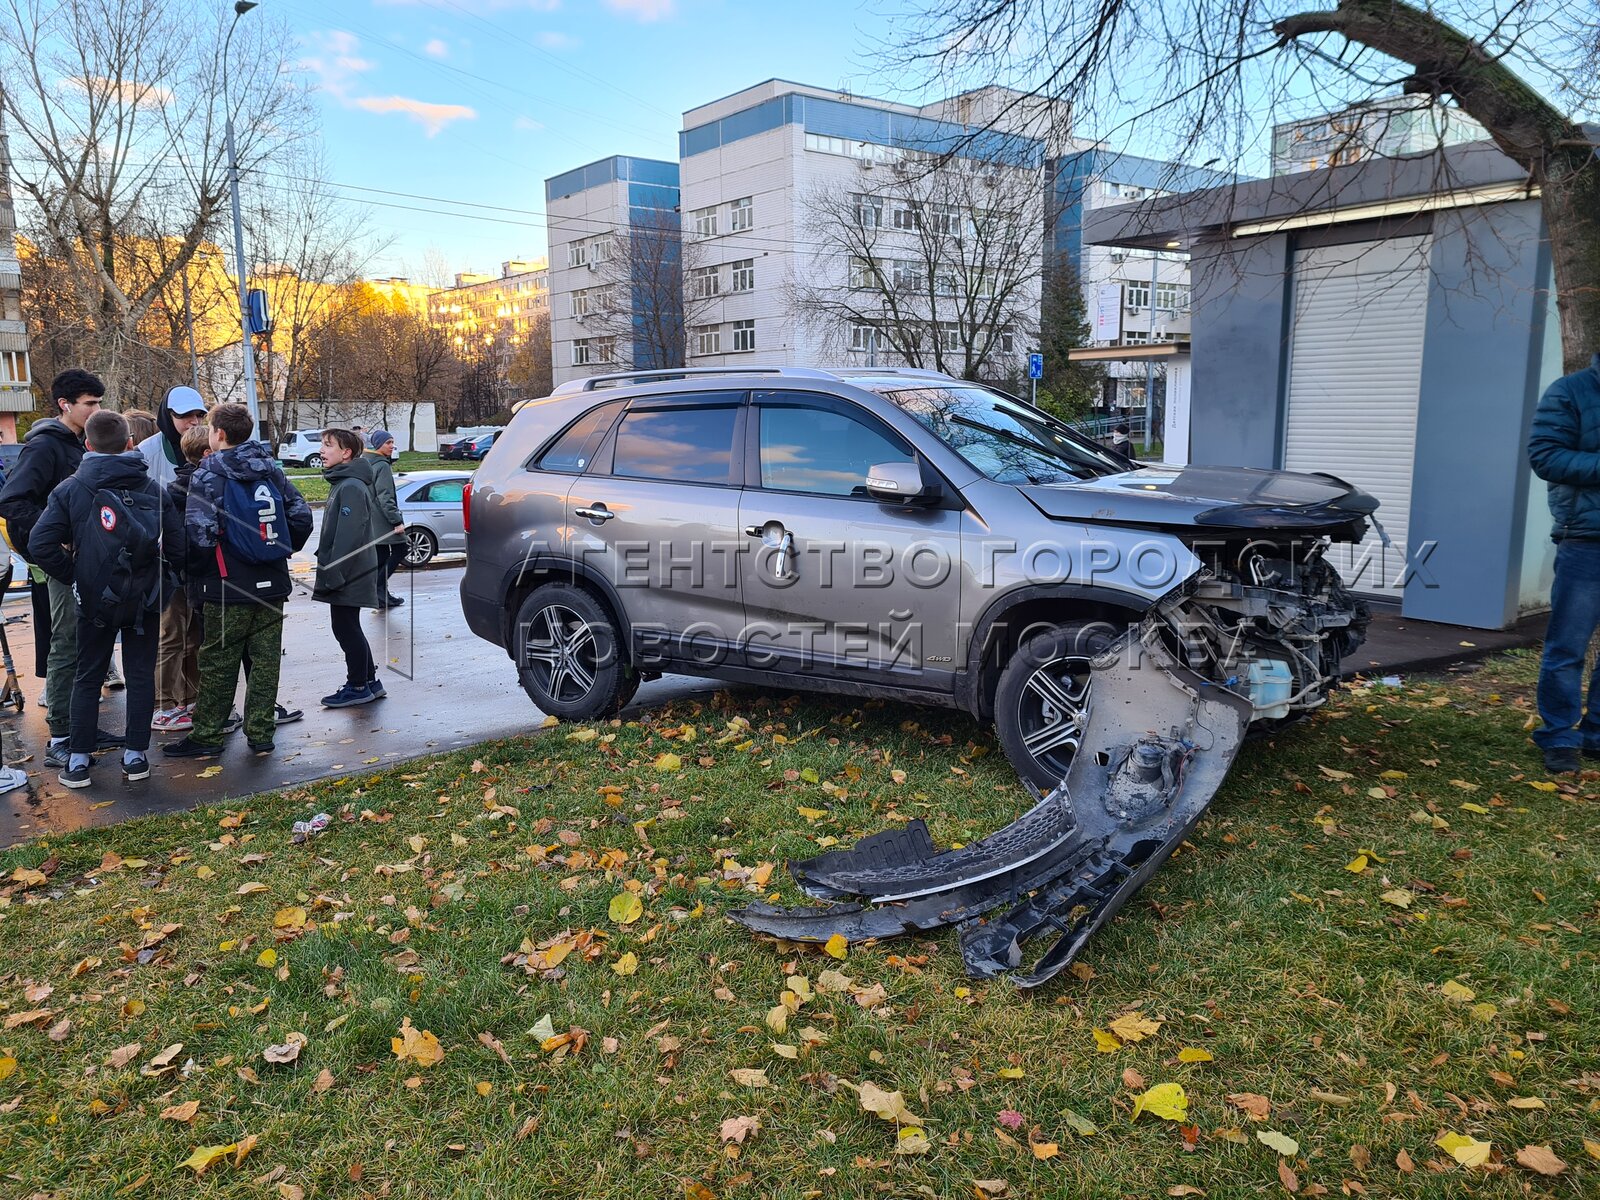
point(1564, 451)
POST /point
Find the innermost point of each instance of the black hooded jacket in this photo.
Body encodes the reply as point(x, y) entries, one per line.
point(51, 452)
point(71, 508)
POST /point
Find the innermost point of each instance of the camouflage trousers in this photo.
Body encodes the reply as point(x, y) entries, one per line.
point(230, 630)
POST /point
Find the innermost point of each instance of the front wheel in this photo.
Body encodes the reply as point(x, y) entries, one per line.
point(1041, 706)
point(314, 460)
point(568, 654)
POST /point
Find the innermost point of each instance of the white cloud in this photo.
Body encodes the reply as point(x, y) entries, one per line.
point(550, 39)
point(335, 61)
point(432, 117)
point(644, 10)
point(436, 48)
point(528, 124)
point(126, 91)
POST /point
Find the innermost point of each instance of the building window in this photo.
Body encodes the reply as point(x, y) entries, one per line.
point(863, 273)
point(580, 302)
point(704, 222)
point(741, 215)
point(580, 352)
point(1135, 295)
point(907, 276)
point(577, 254)
point(744, 336)
point(14, 367)
point(946, 282)
point(703, 283)
point(906, 215)
point(864, 336)
point(744, 275)
point(1174, 297)
point(605, 350)
point(1008, 340)
point(708, 339)
point(600, 249)
point(945, 220)
point(869, 211)
point(947, 336)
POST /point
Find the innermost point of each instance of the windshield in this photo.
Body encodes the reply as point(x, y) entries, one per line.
point(1005, 439)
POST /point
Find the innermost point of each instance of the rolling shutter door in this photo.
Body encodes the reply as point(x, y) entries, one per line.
point(1355, 371)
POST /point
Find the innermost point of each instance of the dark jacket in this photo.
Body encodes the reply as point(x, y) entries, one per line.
point(1564, 450)
point(233, 580)
point(349, 568)
point(388, 501)
point(50, 453)
point(71, 508)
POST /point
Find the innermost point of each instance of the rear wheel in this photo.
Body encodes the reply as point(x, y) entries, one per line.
point(421, 546)
point(568, 654)
point(1041, 706)
point(314, 460)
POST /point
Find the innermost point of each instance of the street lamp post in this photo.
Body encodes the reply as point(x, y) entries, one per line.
point(247, 353)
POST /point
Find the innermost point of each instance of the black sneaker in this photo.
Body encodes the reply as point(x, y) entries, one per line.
point(189, 748)
point(139, 768)
point(263, 747)
point(390, 601)
point(105, 740)
point(75, 777)
point(349, 694)
point(286, 715)
point(375, 686)
point(233, 722)
point(1562, 760)
point(57, 754)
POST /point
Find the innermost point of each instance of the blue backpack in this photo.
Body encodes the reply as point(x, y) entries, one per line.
point(254, 523)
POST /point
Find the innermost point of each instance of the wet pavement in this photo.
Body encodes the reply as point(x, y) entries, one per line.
point(447, 689)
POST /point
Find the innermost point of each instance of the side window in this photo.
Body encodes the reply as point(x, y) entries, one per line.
point(445, 491)
point(690, 445)
point(574, 449)
point(822, 451)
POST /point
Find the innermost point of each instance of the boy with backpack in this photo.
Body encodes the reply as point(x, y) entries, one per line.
point(243, 521)
point(109, 531)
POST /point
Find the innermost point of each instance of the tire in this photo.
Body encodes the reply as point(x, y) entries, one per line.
point(1042, 701)
point(587, 682)
point(314, 460)
point(421, 546)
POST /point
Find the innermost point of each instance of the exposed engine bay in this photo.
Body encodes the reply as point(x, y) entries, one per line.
point(1255, 638)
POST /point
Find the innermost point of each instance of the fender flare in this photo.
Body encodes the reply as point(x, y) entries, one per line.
point(969, 684)
point(559, 567)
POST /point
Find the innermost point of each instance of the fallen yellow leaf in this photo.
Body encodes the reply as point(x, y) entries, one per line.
point(1467, 1151)
point(1134, 1027)
point(417, 1044)
point(1458, 991)
point(626, 908)
point(626, 964)
point(1166, 1100)
point(836, 946)
point(205, 1156)
point(1044, 1150)
point(1193, 1054)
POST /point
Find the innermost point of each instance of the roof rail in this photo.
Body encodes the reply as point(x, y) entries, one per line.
point(909, 372)
point(617, 378)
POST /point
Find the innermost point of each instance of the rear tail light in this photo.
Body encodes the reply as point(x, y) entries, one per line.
point(466, 508)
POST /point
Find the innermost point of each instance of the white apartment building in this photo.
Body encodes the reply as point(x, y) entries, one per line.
point(591, 213)
point(756, 168)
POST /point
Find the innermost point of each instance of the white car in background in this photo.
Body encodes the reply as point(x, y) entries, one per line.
point(302, 448)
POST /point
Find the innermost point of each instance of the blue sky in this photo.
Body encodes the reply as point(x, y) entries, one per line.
point(481, 100)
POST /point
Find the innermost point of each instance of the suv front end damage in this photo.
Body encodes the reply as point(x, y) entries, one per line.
point(1255, 637)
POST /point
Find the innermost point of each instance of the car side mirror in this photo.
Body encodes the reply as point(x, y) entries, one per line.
point(898, 483)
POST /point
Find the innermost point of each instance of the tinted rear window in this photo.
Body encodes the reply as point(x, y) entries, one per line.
point(689, 445)
point(575, 448)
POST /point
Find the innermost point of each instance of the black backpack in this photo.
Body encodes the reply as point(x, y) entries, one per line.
point(116, 569)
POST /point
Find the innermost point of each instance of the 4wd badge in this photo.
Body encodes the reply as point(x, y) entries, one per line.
point(108, 518)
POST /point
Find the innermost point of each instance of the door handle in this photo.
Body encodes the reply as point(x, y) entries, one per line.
point(753, 530)
point(596, 512)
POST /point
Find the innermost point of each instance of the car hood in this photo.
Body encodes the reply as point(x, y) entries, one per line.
point(1210, 498)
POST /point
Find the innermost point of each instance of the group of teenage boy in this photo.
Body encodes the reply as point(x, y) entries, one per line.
point(178, 545)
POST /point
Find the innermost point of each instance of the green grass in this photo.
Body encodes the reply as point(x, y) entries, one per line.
point(1255, 943)
point(314, 487)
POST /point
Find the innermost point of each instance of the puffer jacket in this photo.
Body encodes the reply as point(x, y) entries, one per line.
point(233, 580)
point(349, 567)
point(1564, 451)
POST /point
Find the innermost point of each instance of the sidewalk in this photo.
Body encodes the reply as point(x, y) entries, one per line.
point(1397, 645)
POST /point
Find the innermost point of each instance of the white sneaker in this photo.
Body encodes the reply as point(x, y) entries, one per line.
point(173, 720)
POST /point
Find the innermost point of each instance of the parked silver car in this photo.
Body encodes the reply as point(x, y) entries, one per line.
point(908, 535)
point(430, 505)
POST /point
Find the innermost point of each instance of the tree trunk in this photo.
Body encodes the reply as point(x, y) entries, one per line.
point(1555, 151)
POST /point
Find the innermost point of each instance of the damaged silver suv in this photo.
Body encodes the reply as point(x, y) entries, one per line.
point(907, 535)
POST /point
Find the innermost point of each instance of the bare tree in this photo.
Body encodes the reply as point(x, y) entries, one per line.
point(1206, 71)
point(308, 246)
point(939, 267)
point(117, 110)
point(637, 307)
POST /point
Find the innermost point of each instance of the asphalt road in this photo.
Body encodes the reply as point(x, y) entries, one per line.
point(447, 689)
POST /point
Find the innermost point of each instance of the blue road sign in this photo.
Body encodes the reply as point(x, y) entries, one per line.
point(1035, 366)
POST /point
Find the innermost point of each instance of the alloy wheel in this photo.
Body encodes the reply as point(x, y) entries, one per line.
point(561, 653)
point(1053, 710)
